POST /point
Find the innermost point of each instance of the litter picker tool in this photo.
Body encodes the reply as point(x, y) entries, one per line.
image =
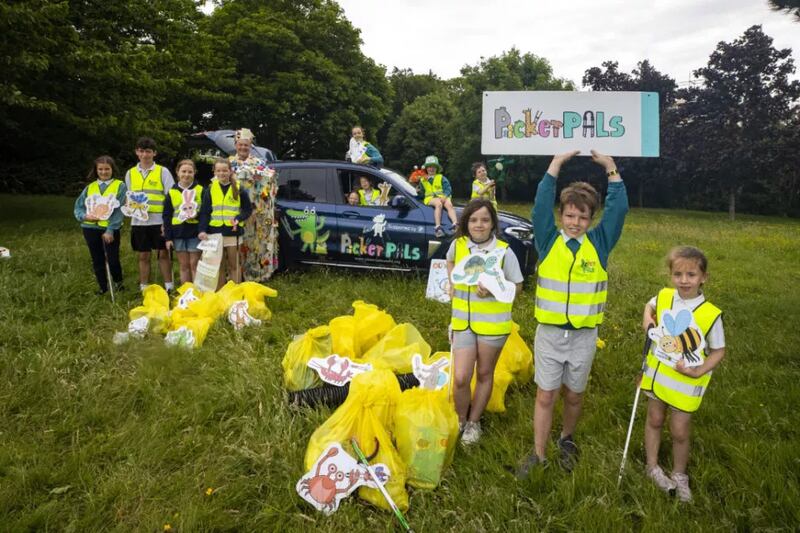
point(645, 350)
point(363, 460)
point(108, 272)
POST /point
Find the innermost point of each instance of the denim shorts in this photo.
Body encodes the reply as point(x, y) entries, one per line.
point(186, 245)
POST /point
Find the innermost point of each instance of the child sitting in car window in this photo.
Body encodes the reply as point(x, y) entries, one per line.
point(368, 195)
point(353, 198)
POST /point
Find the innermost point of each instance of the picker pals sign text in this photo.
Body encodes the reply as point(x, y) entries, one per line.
point(554, 122)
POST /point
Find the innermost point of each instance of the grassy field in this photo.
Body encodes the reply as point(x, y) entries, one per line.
point(98, 437)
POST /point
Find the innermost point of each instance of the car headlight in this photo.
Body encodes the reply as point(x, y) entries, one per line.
point(520, 232)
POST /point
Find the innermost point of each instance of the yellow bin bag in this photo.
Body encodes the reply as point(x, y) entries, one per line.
point(315, 342)
point(395, 350)
point(371, 325)
point(155, 306)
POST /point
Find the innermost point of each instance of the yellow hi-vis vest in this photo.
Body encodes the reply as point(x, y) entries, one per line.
point(372, 200)
point(478, 185)
point(151, 186)
point(111, 190)
point(223, 207)
point(484, 316)
point(667, 384)
point(432, 190)
point(571, 289)
point(176, 196)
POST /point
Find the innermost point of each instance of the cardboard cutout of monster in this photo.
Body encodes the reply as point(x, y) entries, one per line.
point(337, 370)
point(239, 317)
point(486, 269)
point(334, 476)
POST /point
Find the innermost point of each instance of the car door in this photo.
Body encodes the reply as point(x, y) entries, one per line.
point(307, 213)
point(379, 236)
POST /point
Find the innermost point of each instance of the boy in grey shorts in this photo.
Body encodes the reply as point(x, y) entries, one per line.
point(570, 297)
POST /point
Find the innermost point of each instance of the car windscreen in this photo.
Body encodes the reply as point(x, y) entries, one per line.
point(401, 181)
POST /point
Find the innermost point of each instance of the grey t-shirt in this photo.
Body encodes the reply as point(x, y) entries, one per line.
point(154, 219)
point(511, 269)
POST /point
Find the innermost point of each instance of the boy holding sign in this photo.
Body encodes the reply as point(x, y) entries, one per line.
point(570, 297)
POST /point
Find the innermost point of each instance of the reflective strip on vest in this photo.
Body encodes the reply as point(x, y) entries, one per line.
point(224, 208)
point(484, 316)
point(176, 196)
point(111, 190)
point(372, 200)
point(667, 384)
point(571, 289)
point(152, 187)
point(433, 189)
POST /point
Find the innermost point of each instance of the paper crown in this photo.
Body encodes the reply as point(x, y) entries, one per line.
point(244, 134)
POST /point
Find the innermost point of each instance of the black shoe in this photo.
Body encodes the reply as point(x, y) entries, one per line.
point(568, 453)
point(528, 464)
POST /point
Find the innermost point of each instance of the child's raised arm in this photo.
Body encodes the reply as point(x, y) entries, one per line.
point(544, 223)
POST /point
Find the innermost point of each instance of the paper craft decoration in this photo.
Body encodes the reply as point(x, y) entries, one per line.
point(337, 370)
point(486, 270)
point(188, 207)
point(186, 298)
point(138, 328)
point(136, 206)
point(357, 151)
point(617, 123)
point(5, 253)
point(384, 187)
point(438, 282)
point(432, 376)
point(677, 337)
point(100, 207)
point(378, 225)
point(239, 317)
point(182, 337)
point(334, 476)
point(208, 267)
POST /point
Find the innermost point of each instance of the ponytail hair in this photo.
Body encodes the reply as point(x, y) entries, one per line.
point(234, 185)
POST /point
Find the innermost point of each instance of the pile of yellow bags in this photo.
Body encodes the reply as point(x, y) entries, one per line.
point(514, 366)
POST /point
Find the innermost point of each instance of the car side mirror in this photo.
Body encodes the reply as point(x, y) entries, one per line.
point(399, 202)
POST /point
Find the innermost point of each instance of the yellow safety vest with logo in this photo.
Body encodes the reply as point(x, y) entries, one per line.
point(176, 197)
point(478, 185)
point(484, 316)
point(571, 288)
point(667, 384)
point(223, 207)
point(372, 200)
point(432, 190)
point(112, 189)
point(151, 186)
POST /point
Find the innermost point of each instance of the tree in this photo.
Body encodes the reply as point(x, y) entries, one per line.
point(731, 124)
point(511, 71)
point(789, 6)
point(406, 87)
point(642, 174)
point(299, 78)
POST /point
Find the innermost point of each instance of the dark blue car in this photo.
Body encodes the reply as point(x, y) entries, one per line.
point(318, 226)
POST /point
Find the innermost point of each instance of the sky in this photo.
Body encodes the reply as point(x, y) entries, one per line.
point(677, 36)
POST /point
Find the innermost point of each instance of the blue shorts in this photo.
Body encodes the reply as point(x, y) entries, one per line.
point(186, 245)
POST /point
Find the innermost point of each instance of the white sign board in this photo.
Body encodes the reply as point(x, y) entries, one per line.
point(619, 123)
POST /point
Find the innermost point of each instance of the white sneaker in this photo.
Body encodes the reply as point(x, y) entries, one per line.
point(472, 432)
point(682, 487)
point(660, 479)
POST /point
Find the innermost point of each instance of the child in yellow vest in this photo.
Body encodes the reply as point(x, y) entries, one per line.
point(689, 344)
point(101, 220)
point(181, 212)
point(480, 322)
point(482, 186)
point(224, 210)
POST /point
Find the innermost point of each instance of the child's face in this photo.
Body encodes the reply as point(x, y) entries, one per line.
point(480, 225)
point(687, 277)
point(480, 173)
point(358, 134)
point(243, 147)
point(575, 222)
point(146, 156)
point(352, 198)
point(104, 171)
point(186, 174)
point(365, 183)
point(222, 173)
point(431, 170)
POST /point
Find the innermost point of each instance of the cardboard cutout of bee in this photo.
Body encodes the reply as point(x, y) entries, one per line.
point(677, 337)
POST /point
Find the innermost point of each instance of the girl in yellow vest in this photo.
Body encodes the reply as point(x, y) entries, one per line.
point(223, 210)
point(181, 212)
point(367, 194)
point(482, 186)
point(101, 220)
point(681, 387)
point(480, 323)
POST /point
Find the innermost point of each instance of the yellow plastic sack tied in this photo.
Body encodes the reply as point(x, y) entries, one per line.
point(315, 342)
point(497, 401)
point(155, 306)
point(256, 295)
point(343, 335)
point(426, 431)
point(229, 293)
point(395, 350)
point(199, 327)
point(370, 325)
point(367, 414)
point(516, 357)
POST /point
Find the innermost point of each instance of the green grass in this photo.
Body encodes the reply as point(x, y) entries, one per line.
point(99, 437)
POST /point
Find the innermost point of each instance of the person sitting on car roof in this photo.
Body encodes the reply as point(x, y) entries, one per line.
point(367, 194)
point(362, 152)
point(436, 192)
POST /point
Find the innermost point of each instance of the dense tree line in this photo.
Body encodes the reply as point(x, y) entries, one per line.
point(83, 77)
